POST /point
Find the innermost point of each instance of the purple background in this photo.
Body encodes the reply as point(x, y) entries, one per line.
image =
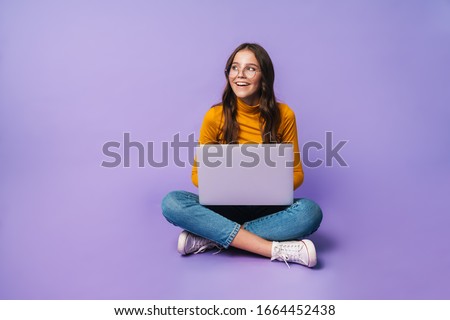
point(76, 74)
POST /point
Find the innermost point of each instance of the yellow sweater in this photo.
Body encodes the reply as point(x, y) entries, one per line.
point(249, 131)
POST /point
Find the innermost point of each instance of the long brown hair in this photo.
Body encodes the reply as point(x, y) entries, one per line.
point(269, 112)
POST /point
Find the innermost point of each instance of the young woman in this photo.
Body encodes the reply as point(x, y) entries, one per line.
point(248, 113)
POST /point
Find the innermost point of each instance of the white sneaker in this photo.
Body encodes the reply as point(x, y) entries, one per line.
point(190, 243)
point(301, 252)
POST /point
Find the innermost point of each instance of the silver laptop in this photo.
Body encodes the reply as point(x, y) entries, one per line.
point(245, 174)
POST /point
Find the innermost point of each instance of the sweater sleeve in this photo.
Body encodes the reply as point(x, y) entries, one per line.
point(208, 134)
point(290, 135)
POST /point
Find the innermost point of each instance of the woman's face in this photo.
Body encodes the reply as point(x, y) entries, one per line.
point(245, 77)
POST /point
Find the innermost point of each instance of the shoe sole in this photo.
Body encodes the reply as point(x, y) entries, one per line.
point(312, 257)
point(182, 242)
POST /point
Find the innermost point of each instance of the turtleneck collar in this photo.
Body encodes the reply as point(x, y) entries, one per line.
point(242, 106)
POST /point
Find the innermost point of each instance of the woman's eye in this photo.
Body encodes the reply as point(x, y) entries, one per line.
point(251, 69)
point(234, 68)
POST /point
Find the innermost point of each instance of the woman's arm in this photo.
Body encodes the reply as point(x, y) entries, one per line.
point(208, 134)
point(289, 134)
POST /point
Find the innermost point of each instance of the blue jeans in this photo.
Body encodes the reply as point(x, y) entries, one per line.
point(182, 209)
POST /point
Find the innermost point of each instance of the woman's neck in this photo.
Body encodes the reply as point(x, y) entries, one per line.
point(251, 101)
point(242, 105)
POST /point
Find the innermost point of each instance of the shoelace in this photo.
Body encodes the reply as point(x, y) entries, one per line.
point(208, 244)
point(284, 257)
point(202, 248)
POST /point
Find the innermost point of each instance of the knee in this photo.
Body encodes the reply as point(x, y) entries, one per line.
point(172, 204)
point(310, 211)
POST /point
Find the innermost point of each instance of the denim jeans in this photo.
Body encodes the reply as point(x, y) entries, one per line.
point(182, 209)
